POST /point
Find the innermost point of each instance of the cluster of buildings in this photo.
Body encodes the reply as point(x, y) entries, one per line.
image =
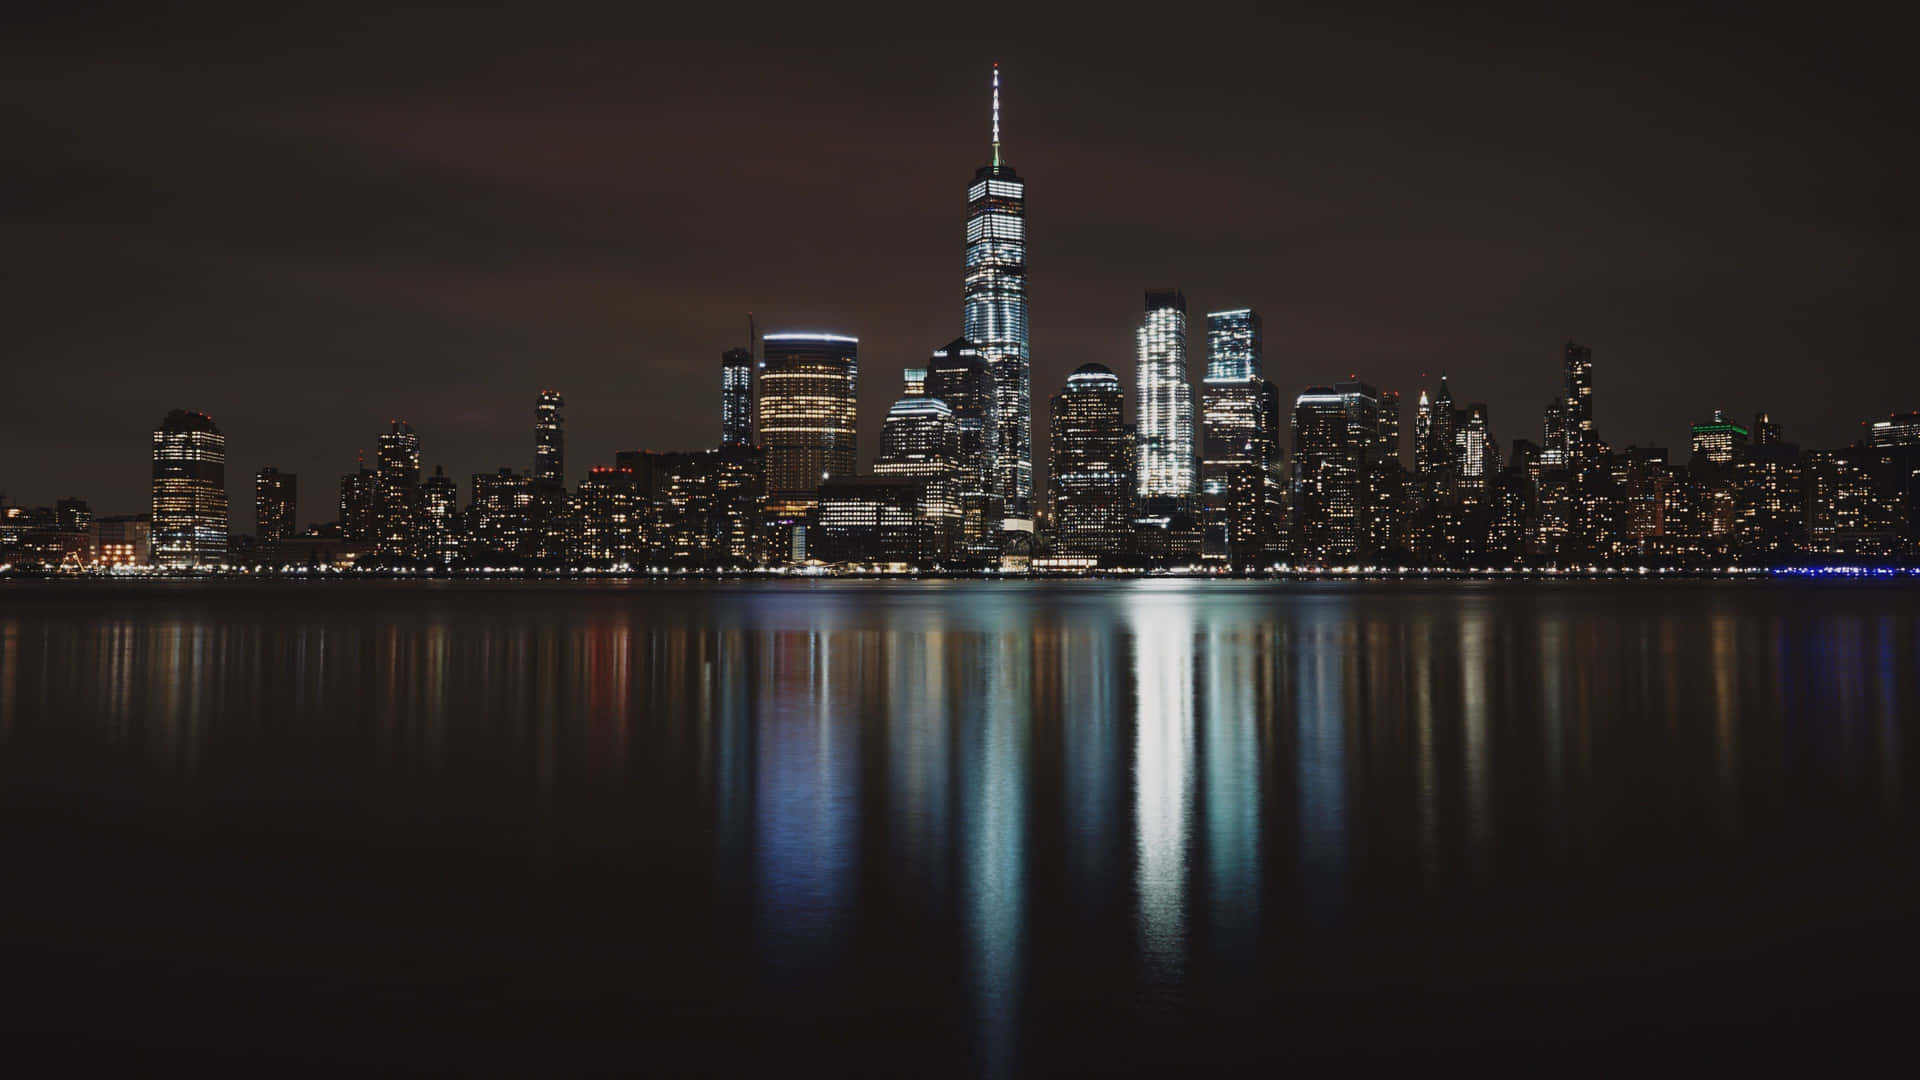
point(1227, 475)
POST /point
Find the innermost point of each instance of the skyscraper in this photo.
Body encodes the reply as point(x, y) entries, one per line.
point(1719, 440)
point(809, 385)
point(1240, 482)
point(1088, 467)
point(1583, 440)
point(736, 397)
point(396, 491)
point(440, 517)
point(357, 500)
point(1165, 434)
point(995, 317)
point(921, 441)
point(189, 491)
point(1233, 346)
point(958, 375)
point(1336, 432)
point(549, 442)
point(276, 502)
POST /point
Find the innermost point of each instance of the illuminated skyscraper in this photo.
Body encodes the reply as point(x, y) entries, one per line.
point(189, 491)
point(1233, 346)
point(921, 441)
point(1165, 434)
point(396, 491)
point(440, 517)
point(549, 442)
point(1240, 480)
point(1583, 439)
point(958, 375)
point(357, 501)
point(1336, 434)
point(995, 316)
point(809, 385)
point(276, 502)
point(736, 397)
point(1719, 440)
point(1088, 469)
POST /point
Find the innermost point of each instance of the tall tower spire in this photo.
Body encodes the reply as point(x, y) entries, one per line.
point(996, 114)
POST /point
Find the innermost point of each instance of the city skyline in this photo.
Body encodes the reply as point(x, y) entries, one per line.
point(454, 338)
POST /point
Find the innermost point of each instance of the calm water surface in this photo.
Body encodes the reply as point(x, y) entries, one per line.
point(956, 827)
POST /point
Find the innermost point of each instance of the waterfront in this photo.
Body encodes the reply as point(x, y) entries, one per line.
point(1021, 824)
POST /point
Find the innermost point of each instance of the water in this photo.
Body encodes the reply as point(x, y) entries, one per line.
point(956, 827)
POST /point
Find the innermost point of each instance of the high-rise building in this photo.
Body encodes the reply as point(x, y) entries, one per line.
point(1719, 440)
point(1898, 429)
point(736, 397)
point(1233, 346)
point(276, 502)
point(1553, 431)
point(1475, 453)
point(995, 317)
point(499, 519)
point(1240, 450)
point(549, 443)
point(960, 376)
point(1390, 424)
point(709, 510)
point(1433, 434)
point(358, 497)
point(609, 531)
point(396, 491)
point(1336, 433)
point(809, 385)
point(189, 491)
point(1165, 433)
point(1088, 469)
point(440, 517)
point(921, 441)
point(71, 515)
point(1583, 439)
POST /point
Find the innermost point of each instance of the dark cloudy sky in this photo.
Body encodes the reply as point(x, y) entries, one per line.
point(306, 221)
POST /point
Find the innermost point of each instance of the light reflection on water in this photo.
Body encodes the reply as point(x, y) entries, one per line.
point(895, 790)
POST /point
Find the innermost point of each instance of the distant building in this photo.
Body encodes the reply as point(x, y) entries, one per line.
point(920, 440)
point(609, 511)
point(736, 397)
point(396, 492)
point(499, 518)
point(1719, 440)
point(358, 499)
point(1241, 484)
point(959, 375)
point(121, 541)
point(1899, 429)
point(189, 525)
point(276, 502)
point(1089, 468)
point(1582, 438)
point(1165, 434)
point(872, 519)
point(709, 510)
point(994, 319)
point(440, 518)
point(809, 390)
point(1336, 433)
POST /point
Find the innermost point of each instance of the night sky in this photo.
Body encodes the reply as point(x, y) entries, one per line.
point(307, 222)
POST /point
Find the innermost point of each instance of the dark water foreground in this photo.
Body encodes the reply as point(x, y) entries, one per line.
point(929, 828)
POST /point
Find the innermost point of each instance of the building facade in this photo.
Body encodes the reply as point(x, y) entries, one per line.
point(276, 503)
point(189, 524)
point(1089, 469)
point(736, 397)
point(1165, 446)
point(994, 317)
point(396, 491)
point(809, 386)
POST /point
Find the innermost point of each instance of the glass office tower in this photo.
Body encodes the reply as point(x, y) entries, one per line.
point(1164, 449)
point(995, 317)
